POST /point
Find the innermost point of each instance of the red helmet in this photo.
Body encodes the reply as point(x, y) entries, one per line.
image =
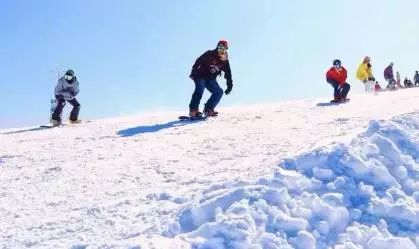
point(223, 43)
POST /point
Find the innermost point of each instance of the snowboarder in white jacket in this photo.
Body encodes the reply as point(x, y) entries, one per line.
point(66, 91)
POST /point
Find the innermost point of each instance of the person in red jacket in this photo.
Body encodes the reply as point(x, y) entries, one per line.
point(336, 76)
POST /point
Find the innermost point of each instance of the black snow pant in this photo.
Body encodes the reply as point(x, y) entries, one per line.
point(339, 91)
point(74, 114)
point(391, 83)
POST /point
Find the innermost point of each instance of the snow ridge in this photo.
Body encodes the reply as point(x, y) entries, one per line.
point(363, 194)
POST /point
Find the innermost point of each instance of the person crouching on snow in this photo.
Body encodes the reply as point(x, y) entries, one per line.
point(407, 83)
point(377, 87)
point(204, 73)
point(66, 91)
point(336, 77)
point(364, 74)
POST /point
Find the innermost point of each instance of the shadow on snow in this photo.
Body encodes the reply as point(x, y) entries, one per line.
point(154, 128)
point(26, 130)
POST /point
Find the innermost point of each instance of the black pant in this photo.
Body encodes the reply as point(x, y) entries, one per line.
point(339, 91)
point(391, 83)
point(60, 106)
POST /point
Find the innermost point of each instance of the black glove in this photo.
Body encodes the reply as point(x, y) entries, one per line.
point(192, 77)
point(59, 97)
point(229, 88)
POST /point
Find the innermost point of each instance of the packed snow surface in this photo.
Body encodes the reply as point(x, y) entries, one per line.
point(296, 174)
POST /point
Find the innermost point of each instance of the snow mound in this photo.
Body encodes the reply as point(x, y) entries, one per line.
point(363, 194)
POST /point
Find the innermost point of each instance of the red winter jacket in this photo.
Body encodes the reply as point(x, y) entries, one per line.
point(338, 75)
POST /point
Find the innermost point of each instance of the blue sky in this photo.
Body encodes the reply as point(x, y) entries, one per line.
point(134, 56)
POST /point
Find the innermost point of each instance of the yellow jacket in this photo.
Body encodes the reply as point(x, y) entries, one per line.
point(364, 72)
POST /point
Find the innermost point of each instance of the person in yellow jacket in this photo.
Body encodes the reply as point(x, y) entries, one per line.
point(364, 74)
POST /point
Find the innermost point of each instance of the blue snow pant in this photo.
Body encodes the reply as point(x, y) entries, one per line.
point(210, 85)
point(339, 91)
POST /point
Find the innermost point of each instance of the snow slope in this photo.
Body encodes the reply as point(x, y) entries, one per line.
point(285, 175)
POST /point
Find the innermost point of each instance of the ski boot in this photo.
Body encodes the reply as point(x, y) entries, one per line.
point(336, 100)
point(210, 113)
point(77, 121)
point(195, 113)
point(55, 122)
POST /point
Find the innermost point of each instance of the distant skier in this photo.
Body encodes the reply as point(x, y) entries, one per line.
point(364, 74)
point(407, 83)
point(389, 76)
point(416, 78)
point(336, 77)
point(398, 80)
point(204, 73)
point(66, 91)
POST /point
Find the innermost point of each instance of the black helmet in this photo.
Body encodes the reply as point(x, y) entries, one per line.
point(70, 72)
point(69, 76)
point(337, 62)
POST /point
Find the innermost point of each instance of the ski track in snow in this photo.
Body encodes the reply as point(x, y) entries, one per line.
point(155, 182)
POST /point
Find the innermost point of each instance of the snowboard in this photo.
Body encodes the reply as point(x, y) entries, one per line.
point(187, 118)
point(63, 124)
point(340, 102)
point(331, 103)
point(51, 126)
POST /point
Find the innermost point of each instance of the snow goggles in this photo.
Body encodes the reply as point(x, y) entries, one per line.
point(68, 77)
point(221, 49)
